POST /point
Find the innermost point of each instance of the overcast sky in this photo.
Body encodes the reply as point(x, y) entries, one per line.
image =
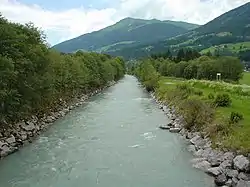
point(65, 19)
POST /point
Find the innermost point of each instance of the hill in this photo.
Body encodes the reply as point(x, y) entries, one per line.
point(128, 32)
point(231, 27)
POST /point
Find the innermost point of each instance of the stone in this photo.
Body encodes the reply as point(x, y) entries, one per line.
point(241, 163)
point(183, 132)
point(189, 135)
point(198, 141)
point(196, 160)
point(11, 140)
point(228, 156)
point(229, 183)
point(29, 126)
point(244, 176)
point(174, 130)
point(243, 183)
point(220, 180)
point(2, 144)
point(50, 119)
point(191, 148)
point(163, 127)
point(203, 165)
point(214, 171)
point(195, 139)
point(23, 135)
point(231, 173)
point(234, 181)
point(199, 153)
point(5, 150)
point(226, 164)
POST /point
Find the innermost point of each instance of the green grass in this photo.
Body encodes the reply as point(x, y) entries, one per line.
point(234, 48)
point(245, 79)
point(238, 137)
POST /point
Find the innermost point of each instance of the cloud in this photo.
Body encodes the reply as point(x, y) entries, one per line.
point(65, 24)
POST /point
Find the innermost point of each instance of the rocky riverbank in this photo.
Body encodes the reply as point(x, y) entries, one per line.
point(17, 135)
point(227, 168)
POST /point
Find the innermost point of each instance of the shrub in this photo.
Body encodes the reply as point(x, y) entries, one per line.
point(235, 117)
point(198, 92)
point(196, 113)
point(183, 90)
point(222, 128)
point(210, 96)
point(223, 100)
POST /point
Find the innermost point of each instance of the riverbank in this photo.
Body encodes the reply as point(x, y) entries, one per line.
point(13, 137)
point(229, 167)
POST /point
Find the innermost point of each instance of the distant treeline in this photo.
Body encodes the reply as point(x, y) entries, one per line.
point(204, 67)
point(33, 78)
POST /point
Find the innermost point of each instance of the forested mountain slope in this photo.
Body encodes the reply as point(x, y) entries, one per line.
point(126, 33)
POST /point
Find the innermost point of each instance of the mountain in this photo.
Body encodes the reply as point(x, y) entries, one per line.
point(231, 27)
point(128, 32)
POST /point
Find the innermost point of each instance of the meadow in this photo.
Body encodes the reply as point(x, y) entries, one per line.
point(228, 126)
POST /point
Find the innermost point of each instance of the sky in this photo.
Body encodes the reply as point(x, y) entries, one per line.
point(65, 19)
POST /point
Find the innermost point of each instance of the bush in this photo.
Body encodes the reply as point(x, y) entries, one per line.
point(223, 100)
point(196, 113)
point(183, 91)
point(211, 96)
point(235, 117)
point(198, 92)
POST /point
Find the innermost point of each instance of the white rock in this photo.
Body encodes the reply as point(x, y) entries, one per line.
point(29, 126)
point(242, 183)
point(241, 163)
point(231, 173)
point(11, 140)
point(203, 165)
point(174, 130)
point(214, 171)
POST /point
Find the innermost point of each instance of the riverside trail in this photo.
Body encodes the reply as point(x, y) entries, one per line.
point(112, 140)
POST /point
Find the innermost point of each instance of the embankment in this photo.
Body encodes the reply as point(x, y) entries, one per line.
point(17, 135)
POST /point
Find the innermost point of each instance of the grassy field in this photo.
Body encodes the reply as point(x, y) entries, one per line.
point(234, 48)
point(234, 137)
point(246, 78)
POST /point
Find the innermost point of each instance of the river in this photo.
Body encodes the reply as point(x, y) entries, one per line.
point(111, 141)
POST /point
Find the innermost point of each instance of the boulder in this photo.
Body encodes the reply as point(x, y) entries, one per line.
point(198, 141)
point(228, 156)
point(174, 130)
point(191, 148)
point(243, 183)
point(226, 164)
point(221, 179)
point(231, 173)
point(234, 181)
point(244, 176)
point(199, 153)
point(11, 140)
point(214, 171)
point(241, 163)
point(229, 183)
point(29, 126)
point(164, 127)
point(183, 132)
point(23, 135)
point(203, 165)
point(2, 144)
point(5, 150)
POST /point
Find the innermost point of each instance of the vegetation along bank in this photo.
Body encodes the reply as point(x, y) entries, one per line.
point(212, 115)
point(39, 85)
